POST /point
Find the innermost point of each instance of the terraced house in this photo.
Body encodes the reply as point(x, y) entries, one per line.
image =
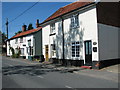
point(83, 33)
point(28, 41)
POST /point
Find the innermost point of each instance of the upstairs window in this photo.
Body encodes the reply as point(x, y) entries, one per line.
point(16, 40)
point(52, 28)
point(29, 42)
point(74, 21)
point(21, 40)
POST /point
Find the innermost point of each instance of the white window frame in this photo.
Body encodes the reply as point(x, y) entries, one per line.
point(74, 21)
point(22, 52)
point(52, 28)
point(21, 40)
point(76, 49)
point(16, 41)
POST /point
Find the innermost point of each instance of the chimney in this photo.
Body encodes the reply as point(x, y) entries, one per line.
point(24, 28)
point(37, 23)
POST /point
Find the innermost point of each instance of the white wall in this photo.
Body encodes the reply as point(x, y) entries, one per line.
point(29, 37)
point(14, 45)
point(59, 42)
point(45, 38)
point(88, 28)
point(108, 42)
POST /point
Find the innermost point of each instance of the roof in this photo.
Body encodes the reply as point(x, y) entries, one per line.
point(66, 9)
point(26, 32)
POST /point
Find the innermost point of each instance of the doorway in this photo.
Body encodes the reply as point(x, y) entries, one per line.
point(88, 53)
point(46, 52)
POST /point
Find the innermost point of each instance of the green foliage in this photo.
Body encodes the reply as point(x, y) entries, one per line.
point(15, 55)
point(30, 26)
point(18, 32)
point(3, 37)
point(12, 50)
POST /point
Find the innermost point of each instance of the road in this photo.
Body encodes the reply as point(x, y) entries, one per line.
point(20, 74)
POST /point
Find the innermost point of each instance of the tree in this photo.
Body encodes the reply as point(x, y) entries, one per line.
point(4, 37)
point(30, 26)
point(18, 32)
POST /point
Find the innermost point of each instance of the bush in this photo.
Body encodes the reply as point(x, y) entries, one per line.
point(15, 55)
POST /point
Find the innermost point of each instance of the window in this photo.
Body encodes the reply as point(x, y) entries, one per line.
point(16, 40)
point(60, 26)
point(74, 21)
point(53, 49)
point(22, 51)
point(52, 28)
point(76, 49)
point(29, 42)
point(21, 40)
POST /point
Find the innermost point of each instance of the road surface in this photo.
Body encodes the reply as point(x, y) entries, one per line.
point(20, 74)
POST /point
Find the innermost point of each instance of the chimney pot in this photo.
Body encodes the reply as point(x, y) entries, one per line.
point(37, 23)
point(24, 28)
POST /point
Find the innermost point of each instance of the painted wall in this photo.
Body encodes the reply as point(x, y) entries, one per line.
point(21, 45)
point(59, 41)
point(45, 38)
point(29, 37)
point(108, 42)
point(86, 31)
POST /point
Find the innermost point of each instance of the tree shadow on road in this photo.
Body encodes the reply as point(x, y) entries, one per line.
point(30, 70)
point(33, 70)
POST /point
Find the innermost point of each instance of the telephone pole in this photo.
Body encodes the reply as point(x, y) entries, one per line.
point(7, 27)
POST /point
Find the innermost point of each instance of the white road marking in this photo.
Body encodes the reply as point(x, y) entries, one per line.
point(40, 76)
point(68, 86)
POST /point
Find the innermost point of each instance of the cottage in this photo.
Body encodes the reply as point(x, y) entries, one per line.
point(28, 41)
point(83, 33)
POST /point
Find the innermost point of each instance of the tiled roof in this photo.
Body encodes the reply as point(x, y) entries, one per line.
point(66, 9)
point(26, 32)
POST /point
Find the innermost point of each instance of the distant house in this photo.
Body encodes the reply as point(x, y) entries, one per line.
point(83, 33)
point(28, 41)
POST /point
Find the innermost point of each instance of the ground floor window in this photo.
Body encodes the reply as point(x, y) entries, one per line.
point(22, 51)
point(30, 50)
point(53, 49)
point(75, 49)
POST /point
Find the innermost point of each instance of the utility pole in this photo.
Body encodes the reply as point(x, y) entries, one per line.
point(7, 33)
point(7, 27)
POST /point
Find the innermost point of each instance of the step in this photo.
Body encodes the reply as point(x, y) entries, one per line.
point(86, 67)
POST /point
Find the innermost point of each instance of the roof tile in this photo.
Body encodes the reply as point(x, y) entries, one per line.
point(26, 32)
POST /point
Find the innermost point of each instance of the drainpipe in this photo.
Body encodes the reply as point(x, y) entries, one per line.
point(63, 62)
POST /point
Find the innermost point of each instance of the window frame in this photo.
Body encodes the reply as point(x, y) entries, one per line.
point(75, 49)
point(74, 21)
point(21, 39)
point(16, 41)
point(52, 28)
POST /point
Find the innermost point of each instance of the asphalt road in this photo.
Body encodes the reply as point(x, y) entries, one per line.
point(19, 74)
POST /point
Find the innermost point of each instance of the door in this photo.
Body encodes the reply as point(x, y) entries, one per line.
point(46, 52)
point(88, 53)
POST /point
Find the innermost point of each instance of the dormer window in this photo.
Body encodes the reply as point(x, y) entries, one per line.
point(52, 28)
point(74, 21)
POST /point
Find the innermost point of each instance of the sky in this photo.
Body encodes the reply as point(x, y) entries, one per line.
point(41, 11)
